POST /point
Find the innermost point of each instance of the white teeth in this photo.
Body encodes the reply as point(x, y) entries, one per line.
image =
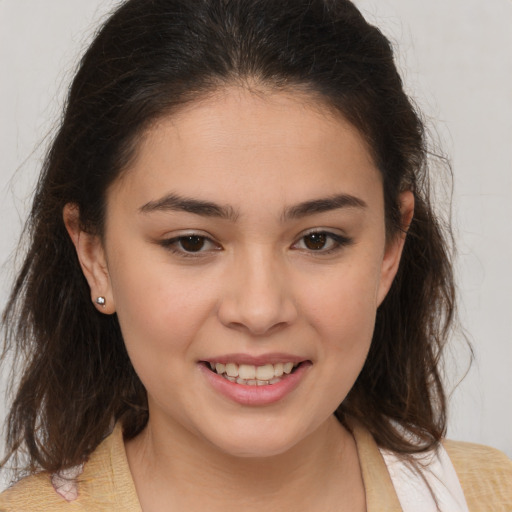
point(265, 372)
point(247, 371)
point(251, 375)
point(287, 367)
point(232, 369)
point(252, 382)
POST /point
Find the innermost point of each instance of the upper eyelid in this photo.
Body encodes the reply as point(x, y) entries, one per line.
point(172, 244)
point(328, 231)
point(179, 233)
point(177, 238)
point(340, 240)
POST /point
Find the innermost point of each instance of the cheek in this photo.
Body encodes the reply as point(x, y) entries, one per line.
point(342, 313)
point(344, 301)
point(160, 316)
point(159, 308)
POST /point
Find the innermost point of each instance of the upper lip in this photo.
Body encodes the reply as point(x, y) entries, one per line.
point(260, 360)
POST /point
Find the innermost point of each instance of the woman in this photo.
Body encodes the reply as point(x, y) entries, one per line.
point(237, 293)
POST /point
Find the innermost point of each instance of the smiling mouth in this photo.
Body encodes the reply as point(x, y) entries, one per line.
point(251, 375)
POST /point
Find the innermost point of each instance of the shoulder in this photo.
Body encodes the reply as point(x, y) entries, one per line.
point(65, 491)
point(32, 494)
point(485, 475)
point(103, 484)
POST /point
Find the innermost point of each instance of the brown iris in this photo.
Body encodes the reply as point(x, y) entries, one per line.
point(192, 243)
point(315, 241)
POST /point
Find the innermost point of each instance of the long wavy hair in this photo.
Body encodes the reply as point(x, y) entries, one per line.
point(150, 58)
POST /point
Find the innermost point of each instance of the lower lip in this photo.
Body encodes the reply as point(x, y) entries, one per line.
point(256, 395)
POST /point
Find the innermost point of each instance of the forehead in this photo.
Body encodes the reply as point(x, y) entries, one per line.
point(241, 147)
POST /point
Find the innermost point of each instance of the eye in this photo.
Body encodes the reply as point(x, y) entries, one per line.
point(323, 242)
point(316, 241)
point(192, 243)
point(189, 245)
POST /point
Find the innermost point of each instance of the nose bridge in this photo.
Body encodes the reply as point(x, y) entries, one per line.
point(257, 298)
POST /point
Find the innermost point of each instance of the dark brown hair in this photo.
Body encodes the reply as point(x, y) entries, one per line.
point(150, 58)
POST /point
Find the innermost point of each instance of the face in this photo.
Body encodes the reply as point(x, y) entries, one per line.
point(245, 255)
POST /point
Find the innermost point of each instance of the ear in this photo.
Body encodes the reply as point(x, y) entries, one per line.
point(91, 256)
point(394, 246)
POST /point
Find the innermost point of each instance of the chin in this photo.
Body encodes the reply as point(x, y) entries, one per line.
point(259, 449)
point(257, 442)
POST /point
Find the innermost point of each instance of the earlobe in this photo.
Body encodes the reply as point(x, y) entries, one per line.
point(394, 247)
point(91, 256)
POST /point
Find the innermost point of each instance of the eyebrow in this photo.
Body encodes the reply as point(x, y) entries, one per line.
point(323, 205)
point(174, 202)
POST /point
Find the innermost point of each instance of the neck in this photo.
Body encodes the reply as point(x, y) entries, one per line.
point(170, 464)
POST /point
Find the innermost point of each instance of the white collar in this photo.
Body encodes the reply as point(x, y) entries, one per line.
point(415, 488)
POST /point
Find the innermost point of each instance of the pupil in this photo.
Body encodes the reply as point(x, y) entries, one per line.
point(192, 243)
point(315, 241)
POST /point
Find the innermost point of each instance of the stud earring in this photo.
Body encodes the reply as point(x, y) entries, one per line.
point(101, 301)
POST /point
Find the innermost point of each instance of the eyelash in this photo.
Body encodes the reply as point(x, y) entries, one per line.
point(338, 241)
point(172, 244)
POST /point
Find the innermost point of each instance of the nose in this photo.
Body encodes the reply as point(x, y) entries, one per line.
point(258, 297)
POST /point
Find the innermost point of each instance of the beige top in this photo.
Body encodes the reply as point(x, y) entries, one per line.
point(106, 483)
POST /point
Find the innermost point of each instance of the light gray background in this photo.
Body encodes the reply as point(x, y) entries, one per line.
point(456, 60)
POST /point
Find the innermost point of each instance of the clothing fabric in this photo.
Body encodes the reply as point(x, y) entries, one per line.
point(436, 486)
point(104, 483)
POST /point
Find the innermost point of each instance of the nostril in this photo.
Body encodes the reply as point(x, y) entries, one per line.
point(257, 308)
point(257, 330)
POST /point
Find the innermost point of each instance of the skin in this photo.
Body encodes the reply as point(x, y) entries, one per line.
point(256, 287)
